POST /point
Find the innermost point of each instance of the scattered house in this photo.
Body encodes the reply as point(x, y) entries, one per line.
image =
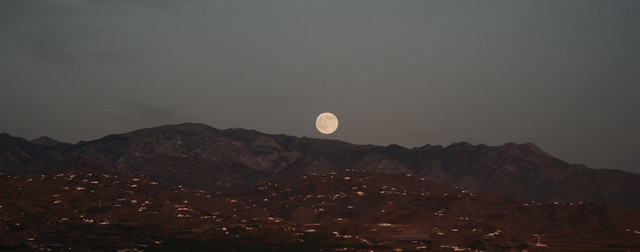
point(538, 243)
point(455, 248)
point(489, 235)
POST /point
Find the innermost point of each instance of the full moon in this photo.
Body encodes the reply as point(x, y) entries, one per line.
point(327, 123)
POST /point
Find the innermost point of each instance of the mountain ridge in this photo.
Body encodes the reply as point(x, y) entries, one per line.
point(213, 159)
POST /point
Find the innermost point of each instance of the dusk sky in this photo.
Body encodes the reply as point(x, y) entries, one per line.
point(564, 75)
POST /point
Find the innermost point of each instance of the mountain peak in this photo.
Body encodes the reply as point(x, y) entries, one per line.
point(463, 144)
point(49, 142)
point(184, 127)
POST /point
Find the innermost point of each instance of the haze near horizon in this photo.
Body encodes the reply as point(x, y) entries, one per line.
point(563, 75)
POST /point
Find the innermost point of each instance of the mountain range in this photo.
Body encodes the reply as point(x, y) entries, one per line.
point(191, 187)
point(201, 157)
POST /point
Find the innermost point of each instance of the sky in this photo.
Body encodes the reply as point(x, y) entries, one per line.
point(563, 75)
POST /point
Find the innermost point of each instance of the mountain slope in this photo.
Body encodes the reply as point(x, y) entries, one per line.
point(215, 160)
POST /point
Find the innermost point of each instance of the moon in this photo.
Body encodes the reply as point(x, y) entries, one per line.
point(327, 123)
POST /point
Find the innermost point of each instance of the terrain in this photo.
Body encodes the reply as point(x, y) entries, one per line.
point(219, 160)
point(193, 187)
point(349, 210)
